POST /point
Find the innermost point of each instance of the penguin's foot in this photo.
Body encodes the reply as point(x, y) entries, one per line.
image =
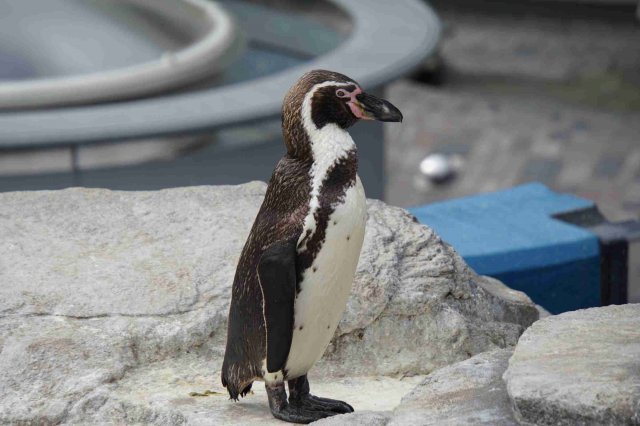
point(316, 403)
point(292, 412)
point(299, 396)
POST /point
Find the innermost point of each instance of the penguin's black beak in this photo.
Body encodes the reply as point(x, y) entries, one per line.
point(373, 108)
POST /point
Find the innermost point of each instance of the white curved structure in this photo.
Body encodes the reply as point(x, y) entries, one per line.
point(213, 39)
point(389, 39)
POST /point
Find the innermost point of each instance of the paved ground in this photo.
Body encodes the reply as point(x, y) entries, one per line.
point(547, 92)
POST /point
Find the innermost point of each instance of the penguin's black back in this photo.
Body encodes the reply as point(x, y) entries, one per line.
point(280, 218)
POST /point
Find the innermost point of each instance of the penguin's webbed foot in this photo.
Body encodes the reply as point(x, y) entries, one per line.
point(299, 396)
point(292, 412)
point(311, 402)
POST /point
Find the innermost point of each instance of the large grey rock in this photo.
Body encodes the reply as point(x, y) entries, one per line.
point(581, 367)
point(359, 418)
point(469, 392)
point(113, 307)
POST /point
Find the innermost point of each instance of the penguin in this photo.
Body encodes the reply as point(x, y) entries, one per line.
point(297, 266)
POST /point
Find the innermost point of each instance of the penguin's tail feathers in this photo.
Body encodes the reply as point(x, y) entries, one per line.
point(235, 388)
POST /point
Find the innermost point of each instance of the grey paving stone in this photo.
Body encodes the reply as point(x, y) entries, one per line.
point(541, 170)
point(608, 167)
point(460, 148)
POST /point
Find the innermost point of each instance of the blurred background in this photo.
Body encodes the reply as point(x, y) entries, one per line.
point(151, 94)
point(532, 91)
point(509, 92)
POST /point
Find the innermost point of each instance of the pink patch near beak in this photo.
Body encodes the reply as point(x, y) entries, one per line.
point(353, 105)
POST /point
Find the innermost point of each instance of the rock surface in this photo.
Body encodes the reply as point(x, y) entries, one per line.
point(359, 418)
point(580, 367)
point(469, 392)
point(113, 307)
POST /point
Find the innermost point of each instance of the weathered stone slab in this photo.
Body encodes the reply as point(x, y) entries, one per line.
point(359, 418)
point(161, 394)
point(469, 392)
point(113, 305)
point(580, 367)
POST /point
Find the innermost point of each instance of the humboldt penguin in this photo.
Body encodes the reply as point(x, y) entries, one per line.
point(297, 265)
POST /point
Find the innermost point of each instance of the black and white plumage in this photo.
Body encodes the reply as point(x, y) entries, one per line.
point(297, 266)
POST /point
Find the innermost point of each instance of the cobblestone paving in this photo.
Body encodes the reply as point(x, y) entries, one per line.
point(530, 94)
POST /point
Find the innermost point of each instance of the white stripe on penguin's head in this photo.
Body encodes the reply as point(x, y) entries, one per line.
point(307, 119)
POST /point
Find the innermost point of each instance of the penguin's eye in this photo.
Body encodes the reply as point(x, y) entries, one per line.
point(341, 93)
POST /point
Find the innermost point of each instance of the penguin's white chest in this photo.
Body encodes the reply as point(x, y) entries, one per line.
point(326, 284)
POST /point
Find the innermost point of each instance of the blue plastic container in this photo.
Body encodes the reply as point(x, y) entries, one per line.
point(512, 235)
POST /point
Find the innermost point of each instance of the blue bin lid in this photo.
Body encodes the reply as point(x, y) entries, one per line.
point(512, 229)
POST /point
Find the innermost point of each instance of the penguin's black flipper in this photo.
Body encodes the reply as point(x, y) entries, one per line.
point(277, 276)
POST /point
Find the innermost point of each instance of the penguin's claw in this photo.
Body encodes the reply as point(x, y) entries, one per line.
point(315, 403)
point(296, 414)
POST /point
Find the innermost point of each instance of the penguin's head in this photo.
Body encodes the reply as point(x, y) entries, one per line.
point(320, 98)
